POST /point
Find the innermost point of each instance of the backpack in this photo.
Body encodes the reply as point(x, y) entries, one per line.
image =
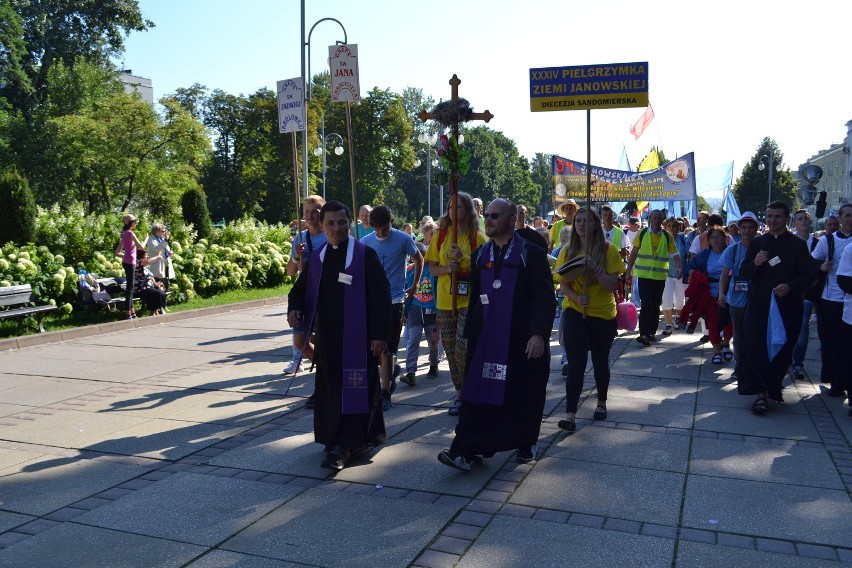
point(814, 292)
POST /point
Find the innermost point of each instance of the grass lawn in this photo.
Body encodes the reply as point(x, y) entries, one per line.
point(83, 316)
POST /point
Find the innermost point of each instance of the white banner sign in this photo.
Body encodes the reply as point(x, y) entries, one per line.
point(343, 60)
point(291, 105)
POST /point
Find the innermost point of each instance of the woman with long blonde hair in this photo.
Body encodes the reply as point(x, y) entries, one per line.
point(444, 259)
point(588, 317)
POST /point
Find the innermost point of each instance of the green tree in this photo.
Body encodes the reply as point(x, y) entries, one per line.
point(752, 187)
point(37, 35)
point(195, 212)
point(18, 214)
point(541, 172)
point(702, 204)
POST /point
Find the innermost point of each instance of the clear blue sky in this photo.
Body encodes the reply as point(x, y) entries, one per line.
point(723, 75)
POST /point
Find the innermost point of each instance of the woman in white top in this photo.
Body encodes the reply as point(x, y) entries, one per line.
point(160, 254)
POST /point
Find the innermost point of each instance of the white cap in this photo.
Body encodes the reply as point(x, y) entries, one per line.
point(748, 216)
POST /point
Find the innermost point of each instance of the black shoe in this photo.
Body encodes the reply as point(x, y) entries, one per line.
point(333, 461)
point(835, 392)
point(386, 401)
point(600, 412)
point(458, 462)
point(455, 408)
point(569, 425)
point(704, 339)
point(433, 371)
point(653, 338)
point(643, 339)
point(311, 402)
point(526, 455)
point(409, 379)
point(565, 369)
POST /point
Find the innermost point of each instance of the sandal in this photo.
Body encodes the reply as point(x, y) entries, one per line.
point(760, 406)
point(717, 359)
point(727, 353)
point(569, 425)
point(600, 411)
point(667, 331)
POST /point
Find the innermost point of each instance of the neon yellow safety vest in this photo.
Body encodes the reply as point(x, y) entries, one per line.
point(651, 264)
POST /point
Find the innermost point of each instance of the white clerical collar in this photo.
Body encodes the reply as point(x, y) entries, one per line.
point(350, 248)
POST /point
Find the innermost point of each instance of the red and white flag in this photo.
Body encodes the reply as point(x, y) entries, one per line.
point(643, 122)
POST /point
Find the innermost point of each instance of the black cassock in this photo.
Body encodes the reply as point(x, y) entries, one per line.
point(484, 428)
point(796, 269)
point(331, 426)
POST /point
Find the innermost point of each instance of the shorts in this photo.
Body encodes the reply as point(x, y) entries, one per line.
point(395, 327)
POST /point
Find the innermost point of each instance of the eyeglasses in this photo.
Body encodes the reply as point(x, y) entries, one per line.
point(494, 216)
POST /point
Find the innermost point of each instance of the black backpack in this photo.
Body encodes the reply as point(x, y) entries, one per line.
point(814, 292)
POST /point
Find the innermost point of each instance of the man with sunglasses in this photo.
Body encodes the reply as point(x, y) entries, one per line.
point(508, 359)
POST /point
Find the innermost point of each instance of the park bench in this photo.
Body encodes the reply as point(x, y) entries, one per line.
point(14, 300)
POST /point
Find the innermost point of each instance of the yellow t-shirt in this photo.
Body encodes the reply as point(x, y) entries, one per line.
point(444, 301)
point(554, 232)
point(601, 301)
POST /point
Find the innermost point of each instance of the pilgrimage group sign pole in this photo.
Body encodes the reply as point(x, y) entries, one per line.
point(584, 87)
point(291, 118)
point(450, 114)
point(343, 63)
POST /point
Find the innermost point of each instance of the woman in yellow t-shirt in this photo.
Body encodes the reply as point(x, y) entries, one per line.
point(597, 330)
point(444, 258)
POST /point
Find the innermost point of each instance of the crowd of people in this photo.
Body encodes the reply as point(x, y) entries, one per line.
point(483, 284)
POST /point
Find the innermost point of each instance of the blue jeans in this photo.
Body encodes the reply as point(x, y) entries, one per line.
point(802, 343)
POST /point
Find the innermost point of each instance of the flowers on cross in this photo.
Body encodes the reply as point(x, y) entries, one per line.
point(453, 159)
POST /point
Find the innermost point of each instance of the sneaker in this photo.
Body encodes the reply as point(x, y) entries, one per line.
point(565, 369)
point(526, 455)
point(409, 379)
point(798, 372)
point(386, 400)
point(704, 339)
point(292, 367)
point(835, 392)
point(653, 338)
point(643, 339)
point(455, 408)
point(690, 330)
point(458, 462)
point(667, 331)
point(433, 371)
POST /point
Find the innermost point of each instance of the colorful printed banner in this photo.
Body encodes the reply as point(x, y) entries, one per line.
point(672, 181)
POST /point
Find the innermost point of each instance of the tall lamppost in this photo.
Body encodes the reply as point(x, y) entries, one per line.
point(306, 79)
point(428, 140)
point(321, 150)
point(772, 167)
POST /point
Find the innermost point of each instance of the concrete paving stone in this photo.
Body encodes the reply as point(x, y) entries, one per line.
point(10, 458)
point(399, 420)
point(41, 391)
point(788, 463)
point(460, 530)
point(726, 395)
point(768, 510)
point(474, 518)
point(539, 543)
point(591, 521)
point(421, 496)
point(494, 496)
point(224, 559)
point(191, 508)
point(390, 492)
point(37, 526)
point(816, 551)
point(661, 531)
point(603, 489)
point(517, 510)
point(166, 439)
point(621, 525)
point(415, 466)
point(695, 535)
point(279, 451)
point(551, 516)
point(845, 555)
point(95, 547)
point(660, 363)
point(773, 545)
point(481, 506)
point(11, 520)
point(393, 534)
point(10, 538)
point(65, 514)
point(625, 447)
point(774, 424)
point(437, 559)
point(49, 483)
point(453, 500)
point(736, 540)
point(450, 545)
point(642, 411)
point(652, 388)
point(700, 555)
point(438, 428)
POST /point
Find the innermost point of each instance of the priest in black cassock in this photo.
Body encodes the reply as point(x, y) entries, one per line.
point(778, 269)
point(344, 297)
point(508, 326)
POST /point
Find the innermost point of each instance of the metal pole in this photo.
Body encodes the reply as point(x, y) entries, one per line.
point(323, 157)
point(428, 178)
point(771, 168)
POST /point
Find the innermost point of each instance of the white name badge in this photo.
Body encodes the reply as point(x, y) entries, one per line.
point(483, 299)
point(774, 261)
point(344, 278)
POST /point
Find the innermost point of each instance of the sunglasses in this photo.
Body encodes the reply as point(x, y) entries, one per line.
point(494, 216)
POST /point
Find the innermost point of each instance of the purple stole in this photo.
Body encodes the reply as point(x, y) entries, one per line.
point(354, 398)
point(485, 381)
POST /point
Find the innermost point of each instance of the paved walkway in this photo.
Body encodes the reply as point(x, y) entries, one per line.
point(179, 444)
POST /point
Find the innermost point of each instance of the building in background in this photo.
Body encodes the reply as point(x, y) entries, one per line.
point(836, 164)
point(141, 85)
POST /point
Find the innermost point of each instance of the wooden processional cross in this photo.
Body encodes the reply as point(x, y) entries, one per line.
point(454, 174)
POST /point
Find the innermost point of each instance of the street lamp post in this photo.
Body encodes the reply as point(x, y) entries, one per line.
point(306, 79)
point(428, 140)
point(321, 150)
point(772, 167)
